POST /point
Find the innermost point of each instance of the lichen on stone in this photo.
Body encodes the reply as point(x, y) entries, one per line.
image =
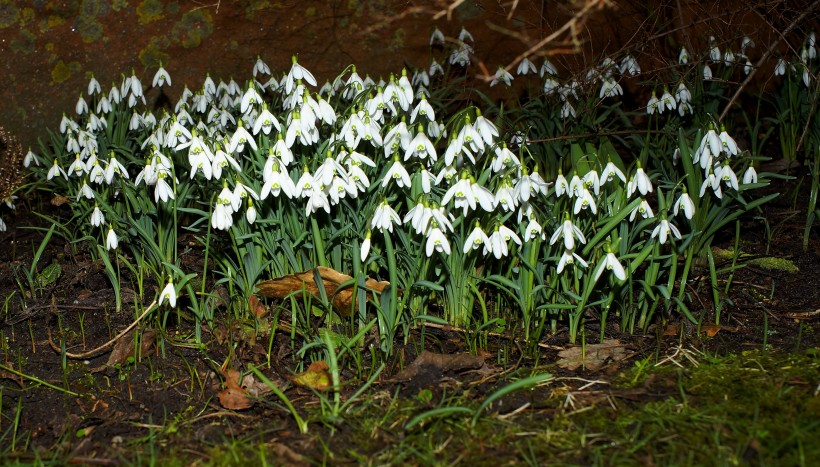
point(9, 13)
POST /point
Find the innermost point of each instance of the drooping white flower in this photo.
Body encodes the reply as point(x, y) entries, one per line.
point(569, 258)
point(476, 239)
point(260, 67)
point(398, 174)
point(685, 202)
point(239, 138)
point(82, 106)
point(666, 101)
point(569, 232)
point(639, 182)
point(663, 229)
point(384, 217)
point(526, 66)
point(654, 105)
point(97, 217)
point(683, 57)
point(437, 37)
point(727, 175)
point(561, 186)
point(161, 77)
point(707, 72)
point(502, 76)
point(644, 209)
point(111, 240)
point(298, 72)
point(420, 147)
point(610, 262)
point(94, 86)
point(728, 143)
point(498, 241)
point(750, 176)
point(585, 201)
point(437, 241)
point(169, 294)
point(610, 172)
point(265, 121)
point(162, 190)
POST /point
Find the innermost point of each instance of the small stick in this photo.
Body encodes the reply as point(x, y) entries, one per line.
point(100, 349)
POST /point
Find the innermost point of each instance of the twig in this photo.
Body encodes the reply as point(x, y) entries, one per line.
point(765, 57)
point(100, 349)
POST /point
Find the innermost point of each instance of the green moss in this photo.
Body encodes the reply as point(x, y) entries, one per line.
point(152, 55)
point(9, 13)
point(150, 11)
point(771, 263)
point(60, 73)
point(310, 11)
point(193, 27)
point(24, 43)
point(89, 28)
point(119, 5)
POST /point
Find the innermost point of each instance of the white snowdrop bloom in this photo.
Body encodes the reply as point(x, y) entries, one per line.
point(666, 101)
point(239, 139)
point(265, 122)
point(585, 201)
point(525, 67)
point(111, 240)
point(683, 56)
point(437, 241)
point(746, 42)
point(567, 110)
point(421, 147)
point(327, 170)
point(29, 158)
point(384, 217)
point(685, 202)
point(499, 240)
point(728, 144)
point(727, 175)
point(476, 239)
point(278, 181)
point(465, 35)
point(82, 106)
point(97, 217)
point(485, 128)
point(654, 105)
point(592, 182)
point(504, 158)
point(221, 160)
point(461, 55)
point(610, 172)
point(569, 232)
point(424, 109)
point(501, 76)
point(418, 216)
point(76, 168)
point(728, 57)
point(747, 67)
point(644, 209)
point(304, 185)
point(533, 230)
point(161, 77)
point(435, 68)
point(316, 198)
point(281, 151)
point(569, 258)
point(169, 294)
point(550, 85)
point(610, 263)
point(94, 86)
point(711, 181)
point(575, 186)
point(630, 66)
point(162, 190)
point(260, 67)
point(682, 94)
point(750, 176)
point(325, 112)
point(114, 167)
point(447, 173)
point(714, 51)
point(398, 137)
point(461, 193)
point(364, 249)
point(298, 72)
point(707, 72)
point(250, 213)
point(505, 197)
point(68, 125)
point(561, 186)
point(547, 68)
point(469, 137)
point(437, 37)
point(639, 182)
point(398, 174)
point(610, 88)
point(663, 229)
point(104, 106)
point(222, 215)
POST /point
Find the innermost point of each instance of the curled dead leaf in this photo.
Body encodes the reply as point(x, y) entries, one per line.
point(59, 200)
point(593, 356)
point(342, 300)
point(316, 376)
point(233, 397)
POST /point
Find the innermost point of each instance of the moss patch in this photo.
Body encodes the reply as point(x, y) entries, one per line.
point(9, 13)
point(775, 264)
point(150, 11)
point(193, 27)
point(60, 73)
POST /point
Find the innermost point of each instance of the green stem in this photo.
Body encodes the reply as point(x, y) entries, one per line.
point(318, 243)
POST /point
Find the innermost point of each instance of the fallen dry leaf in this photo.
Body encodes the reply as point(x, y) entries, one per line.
point(593, 356)
point(284, 286)
point(125, 346)
point(712, 329)
point(316, 376)
point(233, 397)
point(257, 308)
point(437, 364)
point(59, 200)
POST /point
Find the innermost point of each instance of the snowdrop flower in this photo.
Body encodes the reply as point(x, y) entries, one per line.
point(654, 105)
point(639, 182)
point(364, 249)
point(398, 174)
point(420, 147)
point(746, 42)
point(610, 88)
point(610, 172)
point(436, 241)
point(728, 57)
point(29, 158)
point(437, 37)
point(435, 67)
point(498, 241)
point(298, 72)
point(750, 176)
point(643, 209)
point(569, 232)
point(547, 68)
point(534, 230)
point(728, 144)
point(94, 86)
point(222, 216)
point(663, 229)
point(504, 158)
point(683, 57)
point(727, 175)
point(97, 217)
point(82, 106)
point(550, 86)
point(222, 160)
point(707, 72)
point(630, 66)
point(502, 75)
point(111, 240)
point(780, 68)
point(169, 294)
point(610, 263)
point(568, 258)
point(278, 181)
point(685, 202)
point(239, 138)
point(465, 35)
point(567, 111)
point(476, 239)
point(585, 201)
point(666, 101)
point(260, 67)
point(250, 213)
point(114, 167)
point(160, 77)
point(505, 197)
point(162, 190)
point(461, 55)
point(384, 217)
point(561, 186)
point(712, 181)
point(424, 109)
point(592, 182)
point(265, 121)
point(682, 94)
point(714, 51)
point(85, 191)
point(485, 128)
point(526, 66)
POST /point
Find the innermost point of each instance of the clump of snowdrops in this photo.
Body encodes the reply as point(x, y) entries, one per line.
point(483, 218)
